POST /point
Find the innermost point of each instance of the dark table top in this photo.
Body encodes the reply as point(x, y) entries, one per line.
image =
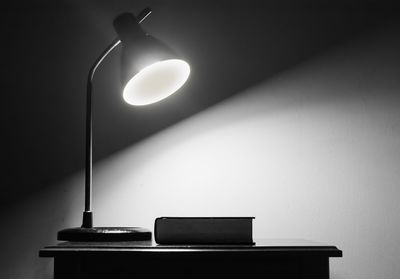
point(262, 246)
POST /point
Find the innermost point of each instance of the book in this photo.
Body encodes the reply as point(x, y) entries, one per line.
point(204, 230)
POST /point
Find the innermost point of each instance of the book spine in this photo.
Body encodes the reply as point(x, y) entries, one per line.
point(204, 230)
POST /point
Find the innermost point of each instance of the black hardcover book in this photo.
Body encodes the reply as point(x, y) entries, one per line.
point(204, 230)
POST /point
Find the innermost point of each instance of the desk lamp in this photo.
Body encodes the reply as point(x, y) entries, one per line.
point(150, 73)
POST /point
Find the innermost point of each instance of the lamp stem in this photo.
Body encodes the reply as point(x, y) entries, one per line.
point(87, 221)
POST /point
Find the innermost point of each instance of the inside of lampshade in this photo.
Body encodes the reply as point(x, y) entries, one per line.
point(156, 82)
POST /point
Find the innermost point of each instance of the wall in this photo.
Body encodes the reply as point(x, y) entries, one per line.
point(313, 153)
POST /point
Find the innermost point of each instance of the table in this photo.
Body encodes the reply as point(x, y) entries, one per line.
point(268, 258)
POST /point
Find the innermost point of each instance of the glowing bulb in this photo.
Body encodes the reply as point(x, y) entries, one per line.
point(156, 82)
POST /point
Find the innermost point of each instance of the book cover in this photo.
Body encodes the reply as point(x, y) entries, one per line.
point(204, 230)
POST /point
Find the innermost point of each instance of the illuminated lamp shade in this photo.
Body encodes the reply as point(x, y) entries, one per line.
point(156, 82)
point(150, 70)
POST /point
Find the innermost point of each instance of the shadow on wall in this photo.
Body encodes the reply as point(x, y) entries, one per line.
point(312, 153)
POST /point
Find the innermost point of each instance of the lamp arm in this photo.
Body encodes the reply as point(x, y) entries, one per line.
point(87, 221)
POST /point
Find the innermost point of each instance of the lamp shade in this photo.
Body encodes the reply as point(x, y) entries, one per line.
point(150, 70)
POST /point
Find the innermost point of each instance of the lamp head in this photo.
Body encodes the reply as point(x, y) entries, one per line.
point(151, 71)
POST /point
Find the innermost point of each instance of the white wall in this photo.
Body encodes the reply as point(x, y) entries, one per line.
point(312, 153)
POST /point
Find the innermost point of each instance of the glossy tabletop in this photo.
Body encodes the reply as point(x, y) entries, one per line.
point(261, 246)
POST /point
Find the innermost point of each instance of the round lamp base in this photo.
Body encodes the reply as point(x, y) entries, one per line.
point(104, 234)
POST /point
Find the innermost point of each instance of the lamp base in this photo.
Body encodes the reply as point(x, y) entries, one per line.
point(104, 234)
